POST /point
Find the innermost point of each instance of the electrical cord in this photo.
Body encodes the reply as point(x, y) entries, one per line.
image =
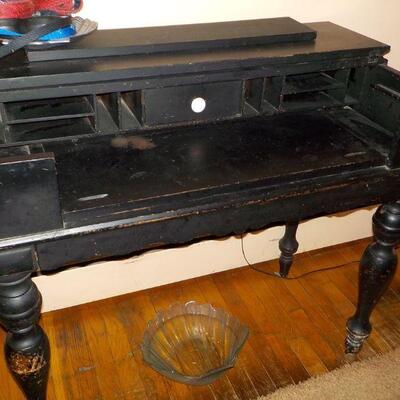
point(278, 275)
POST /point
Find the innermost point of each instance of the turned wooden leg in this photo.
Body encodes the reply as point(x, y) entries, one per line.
point(288, 246)
point(27, 347)
point(377, 268)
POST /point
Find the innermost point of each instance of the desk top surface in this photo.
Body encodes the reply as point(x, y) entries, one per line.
point(332, 42)
point(176, 38)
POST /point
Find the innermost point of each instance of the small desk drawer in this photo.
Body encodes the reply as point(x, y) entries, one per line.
point(188, 103)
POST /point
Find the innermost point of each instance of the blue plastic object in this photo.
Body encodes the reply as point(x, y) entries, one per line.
point(58, 34)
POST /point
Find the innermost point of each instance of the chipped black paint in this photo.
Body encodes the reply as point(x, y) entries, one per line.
point(377, 268)
point(27, 348)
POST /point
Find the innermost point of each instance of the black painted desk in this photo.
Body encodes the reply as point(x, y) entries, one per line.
point(111, 155)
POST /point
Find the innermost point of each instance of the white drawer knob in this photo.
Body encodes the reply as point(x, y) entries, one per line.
point(198, 105)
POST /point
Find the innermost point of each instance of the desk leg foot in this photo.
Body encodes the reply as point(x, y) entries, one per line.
point(377, 268)
point(288, 246)
point(27, 348)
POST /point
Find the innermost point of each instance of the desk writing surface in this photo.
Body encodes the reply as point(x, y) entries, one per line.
point(143, 170)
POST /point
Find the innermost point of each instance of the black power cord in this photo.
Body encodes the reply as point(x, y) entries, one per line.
point(278, 275)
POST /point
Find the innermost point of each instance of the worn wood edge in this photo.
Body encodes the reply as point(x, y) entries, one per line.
point(68, 288)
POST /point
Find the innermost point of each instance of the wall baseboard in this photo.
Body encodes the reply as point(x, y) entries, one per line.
point(102, 280)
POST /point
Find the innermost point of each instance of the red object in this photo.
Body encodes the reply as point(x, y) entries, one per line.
point(16, 8)
point(59, 7)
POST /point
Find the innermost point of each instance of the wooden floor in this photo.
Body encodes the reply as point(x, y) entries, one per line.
point(297, 331)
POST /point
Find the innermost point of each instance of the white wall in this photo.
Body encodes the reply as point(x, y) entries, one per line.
point(378, 19)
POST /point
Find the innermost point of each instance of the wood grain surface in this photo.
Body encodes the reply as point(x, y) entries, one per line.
point(297, 331)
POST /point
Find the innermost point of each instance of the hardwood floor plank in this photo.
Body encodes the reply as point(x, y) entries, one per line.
point(314, 286)
point(121, 352)
point(323, 349)
point(103, 362)
point(297, 330)
point(316, 314)
point(308, 357)
point(287, 301)
point(288, 358)
point(261, 303)
point(133, 312)
point(57, 387)
point(80, 377)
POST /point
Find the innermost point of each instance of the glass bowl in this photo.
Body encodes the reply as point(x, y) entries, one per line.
point(193, 343)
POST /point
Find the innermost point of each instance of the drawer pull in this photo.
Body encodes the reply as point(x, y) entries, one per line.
point(198, 105)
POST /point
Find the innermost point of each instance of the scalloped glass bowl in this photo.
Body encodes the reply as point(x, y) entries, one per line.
point(193, 343)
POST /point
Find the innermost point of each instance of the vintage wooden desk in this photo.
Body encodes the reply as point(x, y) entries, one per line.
point(134, 139)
